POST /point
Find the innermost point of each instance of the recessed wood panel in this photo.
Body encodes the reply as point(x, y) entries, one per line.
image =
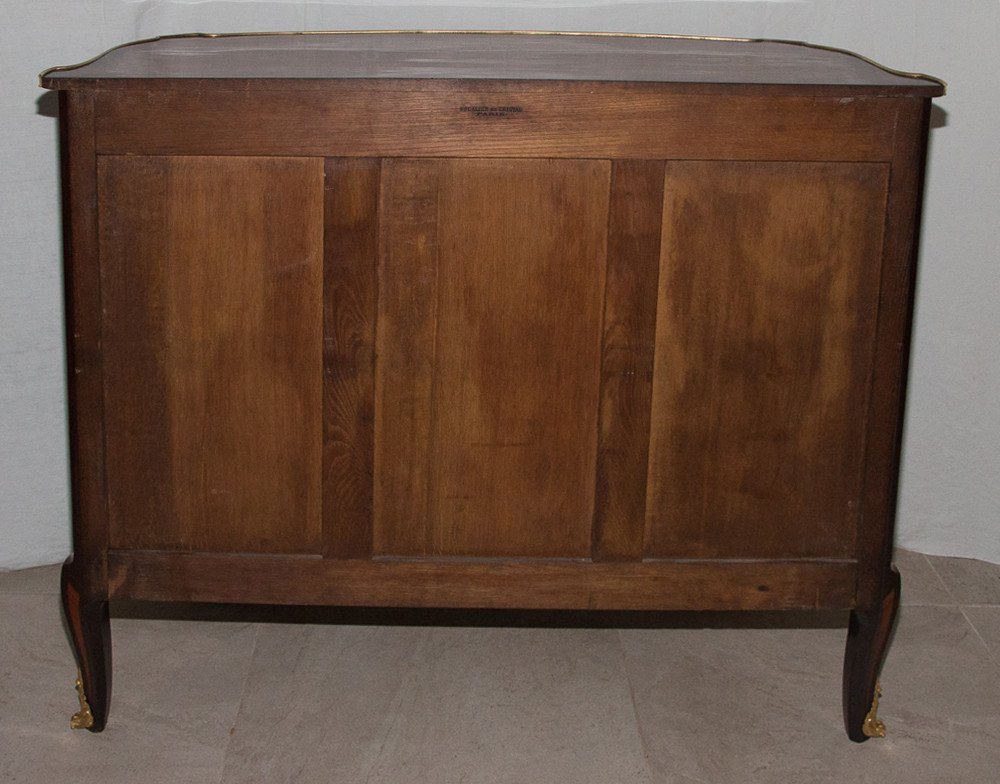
point(405, 346)
point(212, 294)
point(491, 284)
point(764, 346)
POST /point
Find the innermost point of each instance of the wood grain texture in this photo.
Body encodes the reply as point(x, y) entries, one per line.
point(489, 359)
point(449, 582)
point(136, 280)
point(634, 222)
point(349, 306)
point(426, 118)
point(212, 279)
point(405, 346)
point(765, 343)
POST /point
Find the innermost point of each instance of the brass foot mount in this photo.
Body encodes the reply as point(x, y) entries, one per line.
point(874, 727)
point(83, 719)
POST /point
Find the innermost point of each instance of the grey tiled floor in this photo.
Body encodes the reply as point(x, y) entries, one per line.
point(259, 696)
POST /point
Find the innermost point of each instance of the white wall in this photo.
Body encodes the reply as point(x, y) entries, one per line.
point(951, 469)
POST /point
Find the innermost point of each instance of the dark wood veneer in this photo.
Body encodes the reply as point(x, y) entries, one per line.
point(303, 59)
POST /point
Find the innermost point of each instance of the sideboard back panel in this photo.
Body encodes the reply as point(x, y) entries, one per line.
point(212, 296)
point(466, 320)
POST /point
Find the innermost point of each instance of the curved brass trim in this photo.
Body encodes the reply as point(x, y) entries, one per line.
point(83, 719)
point(905, 74)
point(873, 726)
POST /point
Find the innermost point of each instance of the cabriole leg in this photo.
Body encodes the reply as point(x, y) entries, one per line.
point(90, 633)
point(867, 639)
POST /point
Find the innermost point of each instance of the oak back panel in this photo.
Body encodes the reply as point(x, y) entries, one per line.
point(764, 349)
point(212, 295)
point(491, 278)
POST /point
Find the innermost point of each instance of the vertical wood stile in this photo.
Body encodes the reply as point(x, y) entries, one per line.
point(135, 273)
point(634, 223)
point(85, 380)
point(349, 303)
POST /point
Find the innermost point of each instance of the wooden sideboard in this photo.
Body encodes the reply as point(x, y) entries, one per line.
point(488, 320)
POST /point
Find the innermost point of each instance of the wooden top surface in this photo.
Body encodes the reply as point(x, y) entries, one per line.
point(502, 56)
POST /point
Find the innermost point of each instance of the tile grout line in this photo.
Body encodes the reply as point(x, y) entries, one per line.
point(643, 744)
point(962, 608)
point(239, 704)
point(941, 580)
point(986, 645)
point(398, 699)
